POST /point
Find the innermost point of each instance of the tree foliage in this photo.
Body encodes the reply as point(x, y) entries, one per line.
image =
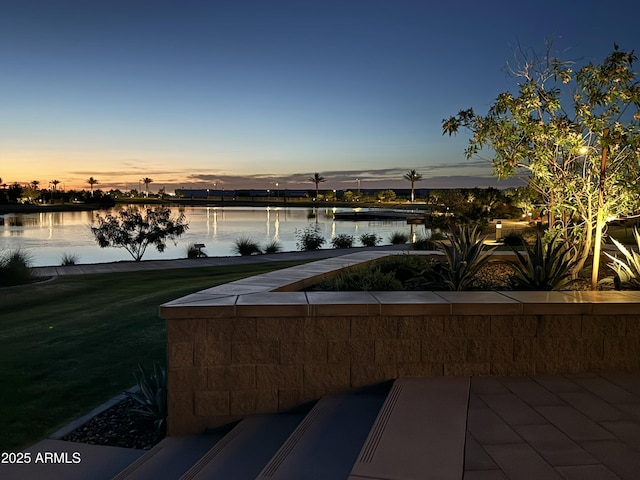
point(317, 179)
point(134, 231)
point(573, 134)
point(412, 176)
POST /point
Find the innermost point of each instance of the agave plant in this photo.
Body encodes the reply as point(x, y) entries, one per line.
point(544, 268)
point(151, 395)
point(627, 273)
point(464, 258)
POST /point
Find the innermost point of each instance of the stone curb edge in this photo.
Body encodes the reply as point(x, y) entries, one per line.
point(77, 423)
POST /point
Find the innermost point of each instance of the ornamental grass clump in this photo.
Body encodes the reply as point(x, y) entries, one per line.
point(246, 246)
point(272, 247)
point(69, 259)
point(15, 268)
point(544, 268)
point(398, 238)
point(627, 271)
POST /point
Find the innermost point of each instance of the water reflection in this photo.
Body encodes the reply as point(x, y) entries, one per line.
point(49, 235)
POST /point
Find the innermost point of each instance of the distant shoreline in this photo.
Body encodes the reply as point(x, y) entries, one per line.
point(78, 207)
point(63, 207)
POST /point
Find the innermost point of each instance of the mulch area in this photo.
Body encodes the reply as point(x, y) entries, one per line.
point(118, 427)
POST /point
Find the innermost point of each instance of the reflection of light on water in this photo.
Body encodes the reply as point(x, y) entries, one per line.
point(212, 221)
point(217, 227)
point(268, 224)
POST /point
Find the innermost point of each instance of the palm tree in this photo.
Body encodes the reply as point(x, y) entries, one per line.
point(92, 181)
point(34, 184)
point(317, 179)
point(413, 177)
point(53, 190)
point(146, 181)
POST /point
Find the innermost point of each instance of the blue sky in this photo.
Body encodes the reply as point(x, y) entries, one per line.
point(250, 93)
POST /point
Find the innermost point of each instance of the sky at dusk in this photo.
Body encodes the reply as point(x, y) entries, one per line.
point(244, 94)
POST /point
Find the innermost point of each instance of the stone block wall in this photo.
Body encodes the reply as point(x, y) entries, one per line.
point(230, 356)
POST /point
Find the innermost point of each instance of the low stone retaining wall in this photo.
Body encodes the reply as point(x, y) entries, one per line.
point(260, 345)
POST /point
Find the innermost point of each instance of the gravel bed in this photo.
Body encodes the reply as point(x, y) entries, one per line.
point(118, 427)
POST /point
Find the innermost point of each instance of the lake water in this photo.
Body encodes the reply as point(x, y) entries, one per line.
point(47, 236)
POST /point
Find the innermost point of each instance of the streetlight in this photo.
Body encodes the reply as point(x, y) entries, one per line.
point(277, 191)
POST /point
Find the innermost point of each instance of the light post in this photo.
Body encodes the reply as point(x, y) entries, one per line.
point(277, 191)
point(498, 230)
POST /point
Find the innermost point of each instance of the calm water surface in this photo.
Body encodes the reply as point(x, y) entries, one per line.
point(47, 236)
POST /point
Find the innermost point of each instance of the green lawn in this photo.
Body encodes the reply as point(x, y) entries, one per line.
point(70, 344)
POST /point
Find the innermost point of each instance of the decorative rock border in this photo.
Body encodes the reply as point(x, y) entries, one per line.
point(261, 345)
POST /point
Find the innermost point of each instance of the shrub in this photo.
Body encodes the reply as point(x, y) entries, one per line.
point(272, 247)
point(425, 243)
point(152, 395)
point(513, 239)
point(464, 258)
point(15, 268)
point(363, 279)
point(396, 272)
point(309, 238)
point(544, 268)
point(627, 272)
point(246, 246)
point(398, 238)
point(369, 239)
point(69, 259)
point(342, 240)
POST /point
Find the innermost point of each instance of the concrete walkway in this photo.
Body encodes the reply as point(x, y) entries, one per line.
point(119, 267)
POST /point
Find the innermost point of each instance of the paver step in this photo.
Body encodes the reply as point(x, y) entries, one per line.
point(326, 443)
point(419, 432)
point(70, 461)
point(246, 449)
point(171, 458)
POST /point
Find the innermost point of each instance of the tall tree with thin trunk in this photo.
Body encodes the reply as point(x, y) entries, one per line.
point(92, 181)
point(135, 230)
point(146, 181)
point(412, 176)
point(317, 179)
point(574, 134)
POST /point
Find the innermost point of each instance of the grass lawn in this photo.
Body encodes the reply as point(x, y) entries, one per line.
point(70, 344)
